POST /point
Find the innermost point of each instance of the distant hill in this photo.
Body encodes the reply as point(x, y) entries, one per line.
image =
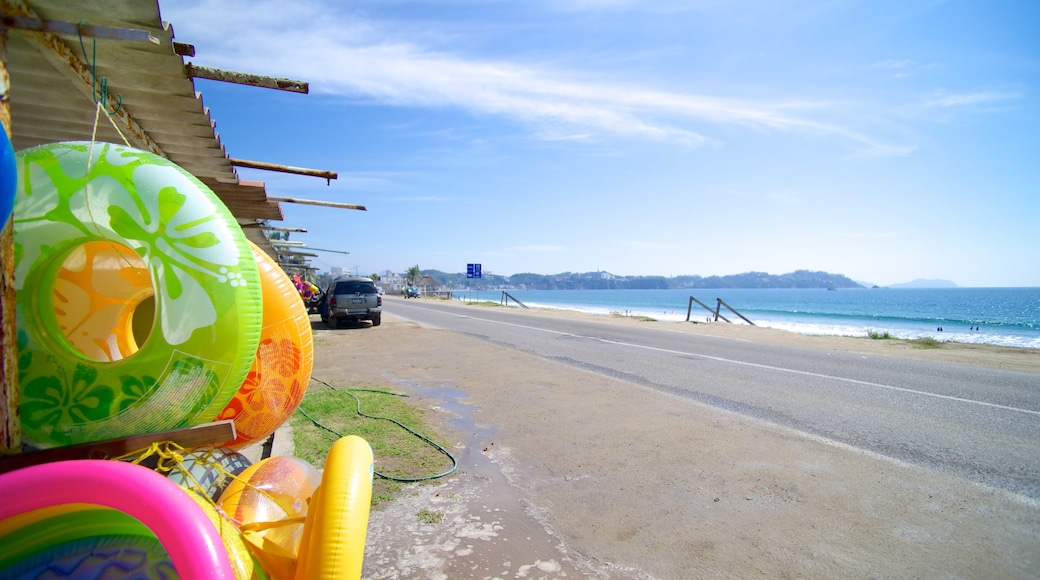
point(923, 283)
point(608, 281)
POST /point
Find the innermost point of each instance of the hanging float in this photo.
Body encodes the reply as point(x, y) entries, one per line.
point(152, 274)
point(281, 370)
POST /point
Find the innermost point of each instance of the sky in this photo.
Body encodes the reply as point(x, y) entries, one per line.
point(886, 140)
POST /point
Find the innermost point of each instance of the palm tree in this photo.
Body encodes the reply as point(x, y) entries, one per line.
point(413, 274)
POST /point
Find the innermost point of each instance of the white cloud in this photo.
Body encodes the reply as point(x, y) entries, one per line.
point(943, 99)
point(349, 56)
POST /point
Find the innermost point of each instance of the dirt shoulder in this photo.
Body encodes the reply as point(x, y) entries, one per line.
point(565, 473)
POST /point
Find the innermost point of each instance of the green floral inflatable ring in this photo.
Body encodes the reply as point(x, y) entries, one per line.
point(205, 326)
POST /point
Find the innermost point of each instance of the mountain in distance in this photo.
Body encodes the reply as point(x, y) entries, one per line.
point(608, 281)
point(924, 283)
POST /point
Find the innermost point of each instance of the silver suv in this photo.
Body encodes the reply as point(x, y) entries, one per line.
point(351, 299)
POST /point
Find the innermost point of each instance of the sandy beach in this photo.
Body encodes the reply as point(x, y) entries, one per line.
point(565, 473)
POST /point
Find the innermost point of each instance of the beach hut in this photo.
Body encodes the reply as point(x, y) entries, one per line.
point(430, 284)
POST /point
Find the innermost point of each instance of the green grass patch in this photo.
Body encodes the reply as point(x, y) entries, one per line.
point(876, 335)
point(429, 517)
point(397, 452)
point(485, 303)
point(617, 314)
point(926, 342)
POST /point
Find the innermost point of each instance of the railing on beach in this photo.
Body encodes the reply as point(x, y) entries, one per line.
point(506, 297)
point(718, 307)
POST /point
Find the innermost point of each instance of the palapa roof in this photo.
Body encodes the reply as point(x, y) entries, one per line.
point(429, 280)
point(52, 93)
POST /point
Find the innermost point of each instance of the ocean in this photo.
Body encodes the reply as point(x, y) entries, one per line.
point(1000, 316)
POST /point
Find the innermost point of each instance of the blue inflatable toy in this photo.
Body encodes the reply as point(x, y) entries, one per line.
point(8, 178)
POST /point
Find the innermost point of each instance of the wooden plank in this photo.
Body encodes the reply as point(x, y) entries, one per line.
point(81, 29)
point(316, 202)
point(731, 309)
point(189, 437)
point(284, 168)
point(10, 428)
point(241, 78)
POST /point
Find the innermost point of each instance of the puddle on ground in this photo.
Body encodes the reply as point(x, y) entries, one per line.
point(487, 529)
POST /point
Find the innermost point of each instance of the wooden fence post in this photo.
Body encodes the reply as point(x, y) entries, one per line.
point(10, 428)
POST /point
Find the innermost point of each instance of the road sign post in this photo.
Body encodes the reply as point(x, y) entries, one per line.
point(473, 271)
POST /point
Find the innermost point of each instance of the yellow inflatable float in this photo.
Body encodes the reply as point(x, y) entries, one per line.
point(269, 500)
point(333, 545)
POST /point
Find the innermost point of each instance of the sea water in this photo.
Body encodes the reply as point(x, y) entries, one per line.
point(1000, 316)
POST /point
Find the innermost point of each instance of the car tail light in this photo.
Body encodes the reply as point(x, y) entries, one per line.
point(332, 303)
point(379, 300)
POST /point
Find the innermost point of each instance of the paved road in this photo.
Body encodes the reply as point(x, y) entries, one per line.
point(979, 423)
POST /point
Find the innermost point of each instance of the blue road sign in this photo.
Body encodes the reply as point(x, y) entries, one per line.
point(473, 271)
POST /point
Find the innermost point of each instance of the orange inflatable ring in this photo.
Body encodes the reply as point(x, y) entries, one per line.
point(278, 379)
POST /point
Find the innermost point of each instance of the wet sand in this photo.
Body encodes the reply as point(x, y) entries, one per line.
point(568, 474)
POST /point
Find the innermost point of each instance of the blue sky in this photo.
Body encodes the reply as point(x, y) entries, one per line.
point(883, 140)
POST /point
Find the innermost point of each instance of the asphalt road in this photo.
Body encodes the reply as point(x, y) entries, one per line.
point(979, 423)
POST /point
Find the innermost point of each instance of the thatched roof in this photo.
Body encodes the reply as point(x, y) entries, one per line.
point(429, 281)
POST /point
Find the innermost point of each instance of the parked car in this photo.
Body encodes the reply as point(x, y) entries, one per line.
point(351, 298)
point(411, 292)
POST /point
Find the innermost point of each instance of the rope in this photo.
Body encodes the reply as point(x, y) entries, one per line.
point(454, 462)
point(170, 457)
point(92, 65)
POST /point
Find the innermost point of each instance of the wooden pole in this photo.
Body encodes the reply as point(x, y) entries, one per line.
point(708, 308)
point(10, 427)
point(186, 437)
point(735, 312)
point(284, 168)
point(241, 78)
point(334, 204)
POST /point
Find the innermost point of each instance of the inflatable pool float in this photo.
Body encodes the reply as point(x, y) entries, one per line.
point(333, 546)
point(278, 379)
point(203, 305)
point(185, 531)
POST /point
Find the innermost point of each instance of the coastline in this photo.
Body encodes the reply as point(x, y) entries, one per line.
point(985, 355)
point(996, 316)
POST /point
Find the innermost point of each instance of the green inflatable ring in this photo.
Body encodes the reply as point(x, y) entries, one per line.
point(207, 301)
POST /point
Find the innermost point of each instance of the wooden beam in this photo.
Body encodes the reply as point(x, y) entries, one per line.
point(84, 29)
point(184, 49)
point(207, 434)
point(316, 202)
point(280, 229)
point(10, 427)
point(329, 175)
point(241, 78)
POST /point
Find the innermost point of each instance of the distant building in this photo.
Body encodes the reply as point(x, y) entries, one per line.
point(392, 282)
point(336, 271)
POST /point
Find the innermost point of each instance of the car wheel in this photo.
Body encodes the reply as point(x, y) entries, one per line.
point(377, 319)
